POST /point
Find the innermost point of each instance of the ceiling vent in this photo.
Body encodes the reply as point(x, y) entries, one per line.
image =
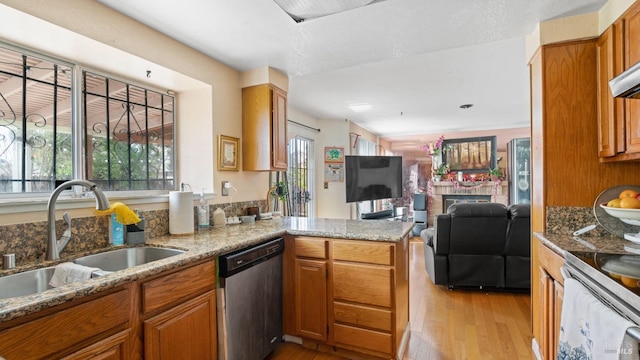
point(303, 10)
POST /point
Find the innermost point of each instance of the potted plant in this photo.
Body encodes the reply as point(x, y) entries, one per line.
point(440, 171)
point(495, 174)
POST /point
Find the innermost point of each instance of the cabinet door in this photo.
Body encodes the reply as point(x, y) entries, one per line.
point(311, 298)
point(544, 282)
point(607, 111)
point(115, 347)
point(558, 290)
point(187, 331)
point(632, 51)
point(279, 130)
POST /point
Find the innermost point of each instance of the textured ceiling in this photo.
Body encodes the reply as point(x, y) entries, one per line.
point(414, 61)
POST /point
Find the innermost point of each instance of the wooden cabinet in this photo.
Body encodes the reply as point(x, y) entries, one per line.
point(170, 316)
point(611, 119)
point(81, 329)
point(631, 31)
point(186, 331)
point(179, 312)
point(264, 128)
point(547, 296)
point(618, 125)
point(115, 347)
point(311, 276)
point(351, 296)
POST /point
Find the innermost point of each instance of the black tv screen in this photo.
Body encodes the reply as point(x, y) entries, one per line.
point(373, 177)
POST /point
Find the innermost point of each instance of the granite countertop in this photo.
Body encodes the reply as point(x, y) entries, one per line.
point(202, 245)
point(560, 243)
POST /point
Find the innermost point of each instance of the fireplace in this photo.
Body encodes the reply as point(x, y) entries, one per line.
point(486, 191)
point(448, 200)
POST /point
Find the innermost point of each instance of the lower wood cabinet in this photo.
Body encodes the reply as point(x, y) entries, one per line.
point(311, 298)
point(349, 297)
point(79, 327)
point(547, 292)
point(171, 315)
point(115, 347)
point(187, 331)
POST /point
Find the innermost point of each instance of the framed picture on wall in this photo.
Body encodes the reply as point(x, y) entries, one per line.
point(476, 154)
point(228, 153)
point(333, 154)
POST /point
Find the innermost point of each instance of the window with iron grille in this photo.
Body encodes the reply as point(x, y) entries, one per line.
point(127, 130)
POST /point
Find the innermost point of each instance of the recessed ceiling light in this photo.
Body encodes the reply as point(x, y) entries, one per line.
point(465, 106)
point(359, 107)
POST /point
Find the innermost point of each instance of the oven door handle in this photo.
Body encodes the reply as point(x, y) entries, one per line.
point(634, 333)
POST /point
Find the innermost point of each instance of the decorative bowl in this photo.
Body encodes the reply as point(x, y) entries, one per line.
point(628, 216)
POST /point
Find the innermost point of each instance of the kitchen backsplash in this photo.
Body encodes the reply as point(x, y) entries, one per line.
point(29, 241)
point(566, 220)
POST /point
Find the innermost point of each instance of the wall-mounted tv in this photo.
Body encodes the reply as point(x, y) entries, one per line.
point(373, 177)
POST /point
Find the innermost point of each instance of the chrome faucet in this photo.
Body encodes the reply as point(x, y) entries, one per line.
point(54, 246)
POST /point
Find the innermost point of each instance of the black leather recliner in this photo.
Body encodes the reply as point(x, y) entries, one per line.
point(479, 245)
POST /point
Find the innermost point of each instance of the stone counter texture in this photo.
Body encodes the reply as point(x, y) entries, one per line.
point(202, 245)
point(560, 243)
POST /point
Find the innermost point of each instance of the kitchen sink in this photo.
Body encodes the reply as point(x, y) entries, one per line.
point(125, 258)
point(26, 283)
point(36, 281)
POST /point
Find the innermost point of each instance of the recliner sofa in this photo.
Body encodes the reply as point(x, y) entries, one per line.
point(484, 245)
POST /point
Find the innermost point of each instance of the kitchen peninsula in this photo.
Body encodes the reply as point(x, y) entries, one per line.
point(360, 248)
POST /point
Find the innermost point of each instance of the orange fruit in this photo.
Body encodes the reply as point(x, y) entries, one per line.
point(629, 281)
point(630, 203)
point(628, 193)
point(615, 276)
point(615, 203)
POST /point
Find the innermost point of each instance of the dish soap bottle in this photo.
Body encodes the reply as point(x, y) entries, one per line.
point(203, 212)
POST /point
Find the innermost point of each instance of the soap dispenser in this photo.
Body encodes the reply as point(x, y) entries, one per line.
point(203, 212)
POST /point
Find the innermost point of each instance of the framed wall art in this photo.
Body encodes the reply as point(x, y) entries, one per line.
point(470, 155)
point(228, 153)
point(333, 154)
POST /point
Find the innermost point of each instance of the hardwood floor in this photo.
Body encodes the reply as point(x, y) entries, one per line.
point(455, 324)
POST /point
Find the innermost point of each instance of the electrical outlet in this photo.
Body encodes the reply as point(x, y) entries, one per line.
point(225, 188)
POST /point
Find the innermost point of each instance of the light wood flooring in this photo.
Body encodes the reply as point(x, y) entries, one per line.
point(454, 324)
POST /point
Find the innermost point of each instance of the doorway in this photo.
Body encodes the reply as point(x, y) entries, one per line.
point(301, 175)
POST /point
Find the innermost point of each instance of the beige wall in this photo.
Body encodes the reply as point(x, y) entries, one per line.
point(209, 92)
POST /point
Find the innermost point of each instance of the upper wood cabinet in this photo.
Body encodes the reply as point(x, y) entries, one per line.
point(618, 119)
point(611, 121)
point(264, 128)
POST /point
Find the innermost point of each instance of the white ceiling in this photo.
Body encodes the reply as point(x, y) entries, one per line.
point(414, 61)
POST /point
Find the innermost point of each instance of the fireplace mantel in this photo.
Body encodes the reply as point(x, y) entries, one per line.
point(498, 190)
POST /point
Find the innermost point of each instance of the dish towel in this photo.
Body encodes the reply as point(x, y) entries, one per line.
point(69, 273)
point(591, 330)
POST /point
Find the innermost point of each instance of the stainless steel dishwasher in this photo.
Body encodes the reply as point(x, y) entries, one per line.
point(250, 301)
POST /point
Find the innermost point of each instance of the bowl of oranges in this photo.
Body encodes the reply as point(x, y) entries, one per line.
point(625, 207)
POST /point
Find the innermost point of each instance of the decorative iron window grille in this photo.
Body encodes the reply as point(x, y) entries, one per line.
point(127, 130)
point(128, 135)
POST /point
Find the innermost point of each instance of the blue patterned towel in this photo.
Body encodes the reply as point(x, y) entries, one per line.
point(591, 330)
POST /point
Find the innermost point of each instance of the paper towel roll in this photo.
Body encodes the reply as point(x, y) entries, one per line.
point(181, 221)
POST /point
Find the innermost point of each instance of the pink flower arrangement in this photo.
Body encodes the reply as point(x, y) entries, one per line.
point(434, 149)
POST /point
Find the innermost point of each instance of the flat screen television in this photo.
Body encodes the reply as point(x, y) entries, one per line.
point(373, 177)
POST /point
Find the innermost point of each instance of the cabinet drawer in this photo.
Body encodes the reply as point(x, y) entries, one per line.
point(367, 339)
point(363, 284)
point(363, 251)
point(311, 247)
point(179, 286)
point(364, 316)
point(57, 333)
